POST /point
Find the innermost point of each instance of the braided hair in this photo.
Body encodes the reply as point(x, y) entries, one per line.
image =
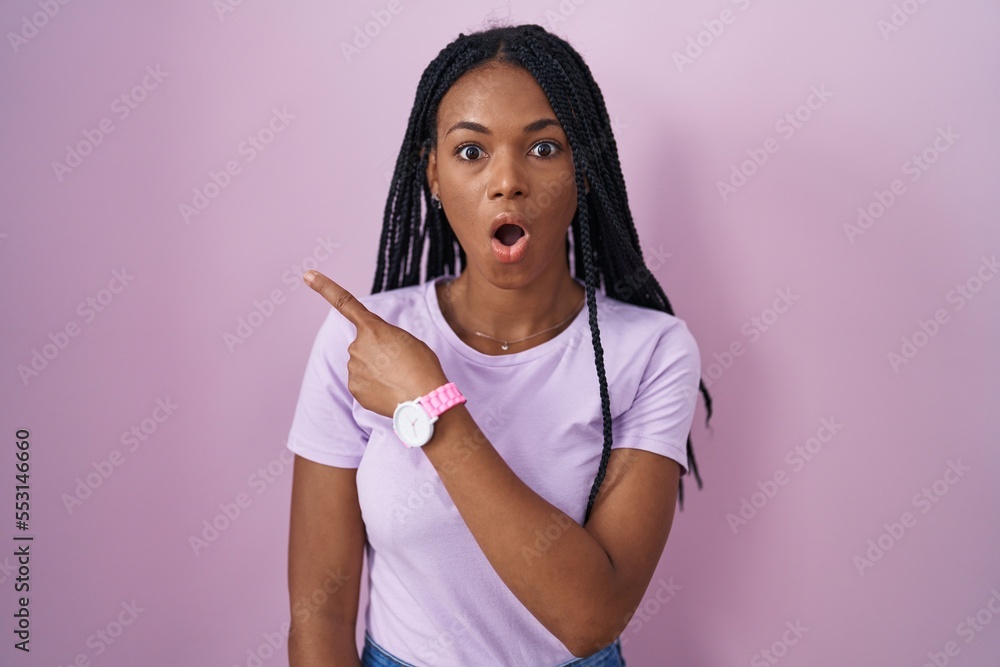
point(605, 245)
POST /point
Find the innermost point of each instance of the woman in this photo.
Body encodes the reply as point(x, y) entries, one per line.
point(449, 427)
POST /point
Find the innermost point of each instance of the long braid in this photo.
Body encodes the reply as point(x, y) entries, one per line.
point(603, 243)
point(595, 333)
point(622, 222)
point(552, 85)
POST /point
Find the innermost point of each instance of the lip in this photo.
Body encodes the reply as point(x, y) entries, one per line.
point(513, 253)
point(508, 217)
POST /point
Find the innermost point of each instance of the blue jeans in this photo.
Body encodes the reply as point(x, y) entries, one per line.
point(609, 656)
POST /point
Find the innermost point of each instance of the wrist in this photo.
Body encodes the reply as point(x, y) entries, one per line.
point(413, 420)
point(448, 424)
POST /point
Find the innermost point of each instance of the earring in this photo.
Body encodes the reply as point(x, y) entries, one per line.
point(436, 200)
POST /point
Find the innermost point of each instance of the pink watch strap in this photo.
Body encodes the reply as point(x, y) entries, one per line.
point(444, 397)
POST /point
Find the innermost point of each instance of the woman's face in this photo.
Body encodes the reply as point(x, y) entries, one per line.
point(500, 150)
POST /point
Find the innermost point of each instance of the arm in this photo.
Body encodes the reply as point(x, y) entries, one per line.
point(588, 582)
point(585, 587)
point(325, 554)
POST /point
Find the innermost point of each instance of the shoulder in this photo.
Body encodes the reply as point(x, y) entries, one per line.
point(637, 328)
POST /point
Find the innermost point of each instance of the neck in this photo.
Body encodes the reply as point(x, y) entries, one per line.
point(470, 304)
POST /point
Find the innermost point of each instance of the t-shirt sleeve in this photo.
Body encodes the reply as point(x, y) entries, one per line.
point(323, 428)
point(659, 419)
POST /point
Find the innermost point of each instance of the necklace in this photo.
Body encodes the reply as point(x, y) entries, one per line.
point(504, 343)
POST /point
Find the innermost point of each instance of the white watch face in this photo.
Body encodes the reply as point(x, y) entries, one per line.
point(412, 424)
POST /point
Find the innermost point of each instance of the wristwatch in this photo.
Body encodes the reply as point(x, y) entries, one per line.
point(413, 421)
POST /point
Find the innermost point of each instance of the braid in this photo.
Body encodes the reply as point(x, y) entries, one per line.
point(595, 333)
point(603, 243)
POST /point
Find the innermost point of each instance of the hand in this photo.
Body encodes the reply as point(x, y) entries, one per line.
point(387, 365)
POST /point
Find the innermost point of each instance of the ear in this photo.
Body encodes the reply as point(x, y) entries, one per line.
point(431, 173)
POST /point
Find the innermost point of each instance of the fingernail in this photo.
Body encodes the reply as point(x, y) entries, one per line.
point(309, 277)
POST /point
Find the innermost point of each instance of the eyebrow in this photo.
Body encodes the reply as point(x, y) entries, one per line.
point(539, 124)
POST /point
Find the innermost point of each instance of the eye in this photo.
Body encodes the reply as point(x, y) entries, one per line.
point(468, 152)
point(549, 148)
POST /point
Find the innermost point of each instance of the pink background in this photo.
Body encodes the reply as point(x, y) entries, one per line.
point(681, 130)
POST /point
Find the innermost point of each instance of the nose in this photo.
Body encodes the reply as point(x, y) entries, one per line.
point(507, 176)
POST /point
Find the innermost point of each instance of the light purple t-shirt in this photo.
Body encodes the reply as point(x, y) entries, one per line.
point(434, 598)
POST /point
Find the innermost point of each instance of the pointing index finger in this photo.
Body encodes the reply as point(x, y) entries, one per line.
point(339, 298)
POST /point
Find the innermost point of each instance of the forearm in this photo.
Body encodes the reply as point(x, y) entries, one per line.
point(321, 642)
point(569, 583)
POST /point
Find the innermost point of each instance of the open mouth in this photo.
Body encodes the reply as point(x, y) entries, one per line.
point(508, 234)
point(510, 238)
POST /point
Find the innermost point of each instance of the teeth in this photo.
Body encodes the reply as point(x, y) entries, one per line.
point(509, 234)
